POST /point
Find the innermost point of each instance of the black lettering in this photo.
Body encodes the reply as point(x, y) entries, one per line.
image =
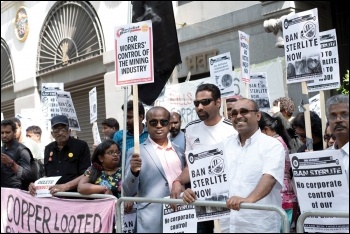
point(64, 217)
point(87, 222)
point(37, 216)
point(46, 220)
point(14, 211)
point(8, 208)
point(70, 225)
point(56, 228)
point(80, 217)
point(97, 218)
point(24, 210)
point(30, 214)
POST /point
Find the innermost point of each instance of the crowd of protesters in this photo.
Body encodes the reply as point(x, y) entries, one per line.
point(257, 147)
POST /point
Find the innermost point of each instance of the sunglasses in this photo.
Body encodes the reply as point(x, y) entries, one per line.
point(242, 111)
point(204, 102)
point(154, 122)
point(327, 137)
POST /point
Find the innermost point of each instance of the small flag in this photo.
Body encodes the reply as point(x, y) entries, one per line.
point(166, 49)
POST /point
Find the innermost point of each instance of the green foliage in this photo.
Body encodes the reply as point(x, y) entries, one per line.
point(344, 88)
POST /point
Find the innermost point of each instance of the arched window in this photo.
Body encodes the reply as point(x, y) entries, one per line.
point(7, 74)
point(71, 34)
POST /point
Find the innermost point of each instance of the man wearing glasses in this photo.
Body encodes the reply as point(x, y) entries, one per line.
point(67, 157)
point(210, 129)
point(337, 110)
point(152, 172)
point(256, 169)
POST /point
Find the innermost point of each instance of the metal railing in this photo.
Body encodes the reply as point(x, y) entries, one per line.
point(304, 215)
point(253, 206)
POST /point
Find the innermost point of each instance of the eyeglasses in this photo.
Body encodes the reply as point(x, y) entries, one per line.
point(113, 153)
point(242, 111)
point(57, 130)
point(327, 137)
point(204, 102)
point(154, 122)
point(334, 117)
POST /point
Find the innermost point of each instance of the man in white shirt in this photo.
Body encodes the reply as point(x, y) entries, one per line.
point(337, 110)
point(211, 128)
point(256, 169)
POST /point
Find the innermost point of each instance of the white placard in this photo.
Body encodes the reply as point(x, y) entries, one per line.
point(42, 186)
point(221, 73)
point(49, 103)
point(129, 220)
point(301, 46)
point(67, 108)
point(134, 53)
point(321, 184)
point(209, 182)
point(330, 63)
point(244, 56)
point(259, 91)
point(93, 105)
point(96, 133)
point(315, 104)
point(182, 221)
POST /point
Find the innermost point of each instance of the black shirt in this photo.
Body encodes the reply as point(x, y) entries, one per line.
point(70, 162)
point(9, 178)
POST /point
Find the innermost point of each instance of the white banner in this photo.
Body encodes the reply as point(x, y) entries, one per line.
point(321, 184)
point(301, 46)
point(182, 221)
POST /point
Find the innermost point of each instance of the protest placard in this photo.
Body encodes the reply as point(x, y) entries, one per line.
point(259, 91)
point(321, 184)
point(301, 46)
point(184, 220)
point(129, 220)
point(221, 73)
point(93, 105)
point(49, 103)
point(21, 213)
point(65, 103)
point(209, 180)
point(134, 53)
point(42, 186)
point(330, 63)
point(244, 56)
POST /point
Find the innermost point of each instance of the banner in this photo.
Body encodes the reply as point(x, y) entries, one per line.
point(49, 103)
point(93, 105)
point(65, 103)
point(23, 213)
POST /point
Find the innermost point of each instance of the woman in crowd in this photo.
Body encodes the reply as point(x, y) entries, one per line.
point(104, 175)
point(273, 126)
point(298, 124)
point(328, 137)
